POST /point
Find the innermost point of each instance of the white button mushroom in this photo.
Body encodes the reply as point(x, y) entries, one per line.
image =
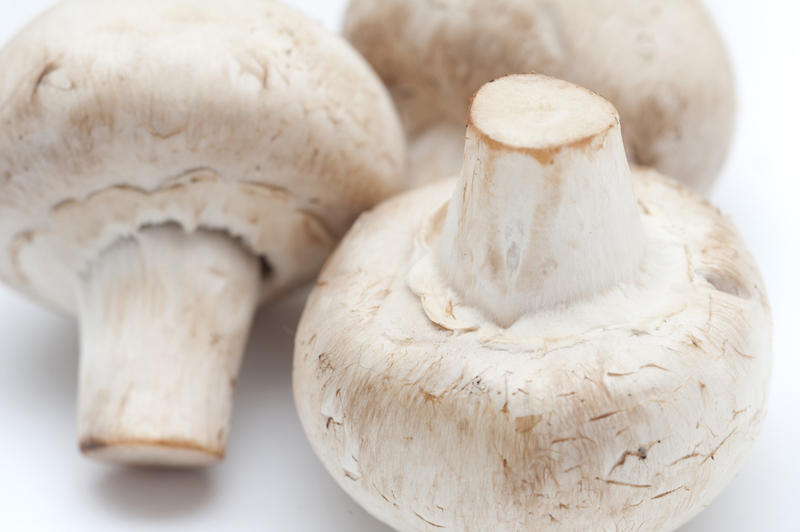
point(165, 166)
point(662, 64)
point(554, 343)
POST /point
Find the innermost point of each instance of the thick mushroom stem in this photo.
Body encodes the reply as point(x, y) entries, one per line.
point(164, 319)
point(543, 212)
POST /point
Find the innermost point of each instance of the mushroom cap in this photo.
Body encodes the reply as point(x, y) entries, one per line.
point(242, 116)
point(662, 64)
point(633, 407)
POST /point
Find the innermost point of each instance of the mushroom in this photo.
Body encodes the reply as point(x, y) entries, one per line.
point(554, 342)
point(662, 64)
point(165, 167)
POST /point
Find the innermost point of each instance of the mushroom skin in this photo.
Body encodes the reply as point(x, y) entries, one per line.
point(662, 64)
point(629, 407)
point(132, 128)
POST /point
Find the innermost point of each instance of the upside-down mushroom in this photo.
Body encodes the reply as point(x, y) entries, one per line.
point(165, 167)
point(552, 342)
point(662, 64)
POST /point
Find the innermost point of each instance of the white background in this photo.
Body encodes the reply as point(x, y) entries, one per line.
point(272, 481)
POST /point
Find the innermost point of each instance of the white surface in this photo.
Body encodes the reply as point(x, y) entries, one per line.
point(271, 480)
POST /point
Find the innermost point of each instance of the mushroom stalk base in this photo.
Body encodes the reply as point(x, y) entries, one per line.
point(164, 320)
point(543, 213)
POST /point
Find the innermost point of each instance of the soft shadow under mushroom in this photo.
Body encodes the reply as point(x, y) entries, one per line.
point(155, 495)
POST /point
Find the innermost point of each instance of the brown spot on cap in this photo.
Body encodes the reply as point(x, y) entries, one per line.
point(525, 424)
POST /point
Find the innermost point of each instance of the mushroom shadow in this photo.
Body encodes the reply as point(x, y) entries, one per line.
point(155, 495)
point(44, 345)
